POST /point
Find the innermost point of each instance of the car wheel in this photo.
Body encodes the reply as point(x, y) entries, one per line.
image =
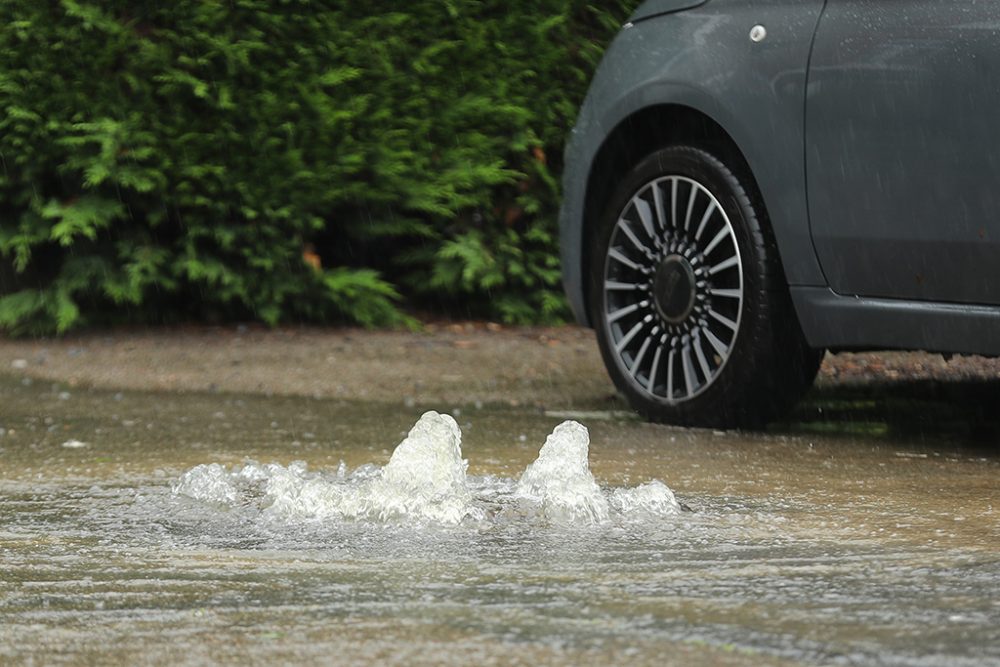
point(692, 313)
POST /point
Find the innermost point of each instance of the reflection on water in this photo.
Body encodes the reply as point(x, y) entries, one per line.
point(964, 411)
point(801, 550)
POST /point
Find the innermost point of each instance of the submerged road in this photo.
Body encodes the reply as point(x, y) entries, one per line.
point(862, 530)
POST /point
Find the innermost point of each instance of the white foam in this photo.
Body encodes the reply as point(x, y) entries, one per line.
point(425, 477)
point(560, 478)
point(426, 480)
point(210, 483)
point(652, 498)
point(295, 493)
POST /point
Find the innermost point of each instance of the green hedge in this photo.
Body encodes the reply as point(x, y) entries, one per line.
point(285, 160)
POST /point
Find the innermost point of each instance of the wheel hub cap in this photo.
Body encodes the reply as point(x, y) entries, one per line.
point(674, 289)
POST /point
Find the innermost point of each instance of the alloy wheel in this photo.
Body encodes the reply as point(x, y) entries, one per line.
point(673, 289)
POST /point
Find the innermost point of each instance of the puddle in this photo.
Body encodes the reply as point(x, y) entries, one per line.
point(212, 528)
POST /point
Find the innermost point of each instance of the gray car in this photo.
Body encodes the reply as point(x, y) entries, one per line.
point(749, 183)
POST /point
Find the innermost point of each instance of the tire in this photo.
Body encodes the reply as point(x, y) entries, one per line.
point(692, 313)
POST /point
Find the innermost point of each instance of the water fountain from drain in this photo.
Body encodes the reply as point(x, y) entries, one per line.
point(426, 480)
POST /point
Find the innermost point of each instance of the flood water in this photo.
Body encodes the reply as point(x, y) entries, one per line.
point(852, 546)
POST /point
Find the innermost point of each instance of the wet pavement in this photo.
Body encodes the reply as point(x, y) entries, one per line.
point(864, 530)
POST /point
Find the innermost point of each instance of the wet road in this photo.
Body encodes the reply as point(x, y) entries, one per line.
point(863, 531)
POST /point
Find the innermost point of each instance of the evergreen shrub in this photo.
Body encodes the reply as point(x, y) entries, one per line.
point(285, 160)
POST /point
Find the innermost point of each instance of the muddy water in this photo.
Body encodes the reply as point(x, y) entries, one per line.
point(842, 548)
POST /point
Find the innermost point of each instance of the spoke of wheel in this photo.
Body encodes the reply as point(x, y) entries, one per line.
point(687, 216)
point(622, 312)
point(670, 374)
point(723, 233)
point(645, 214)
point(728, 293)
point(651, 382)
point(616, 285)
point(615, 254)
point(640, 355)
point(658, 204)
point(704, 220)
point(702, 361)
point(688, 369)
point(722, 266)
point(718, 345)
point(723, 319)
point(673, 203)
point(631, 237)
point(630, 335)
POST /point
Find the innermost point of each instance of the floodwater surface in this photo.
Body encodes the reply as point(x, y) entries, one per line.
point(120, 541)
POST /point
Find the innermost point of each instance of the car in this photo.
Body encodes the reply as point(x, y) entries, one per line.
point(750, 183)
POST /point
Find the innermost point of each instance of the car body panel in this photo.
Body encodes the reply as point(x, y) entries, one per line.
point(652, 8)
point(755, 91)
point(830, 320)
point(904, 274)
point(902, 139)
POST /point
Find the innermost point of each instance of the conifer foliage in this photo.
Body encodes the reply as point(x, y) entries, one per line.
point(285, 160)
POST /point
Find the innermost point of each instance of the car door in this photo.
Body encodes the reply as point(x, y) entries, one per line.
point(903, 148)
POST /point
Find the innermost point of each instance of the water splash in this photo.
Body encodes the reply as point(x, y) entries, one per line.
point(427, 473)
point(425, 477)
point(426, 480)
point(560, 479)
point(651, 499)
